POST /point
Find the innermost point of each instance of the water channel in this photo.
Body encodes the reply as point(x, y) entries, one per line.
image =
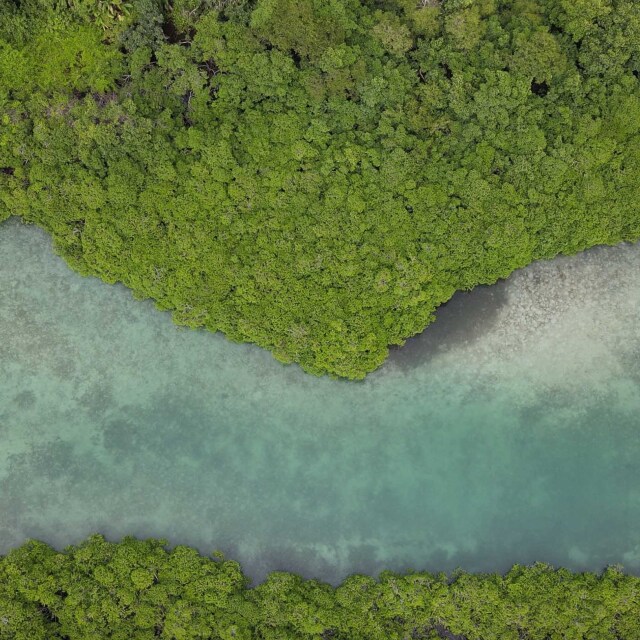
point(508, 432)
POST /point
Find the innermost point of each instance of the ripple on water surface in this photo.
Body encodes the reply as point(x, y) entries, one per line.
point(507, 432)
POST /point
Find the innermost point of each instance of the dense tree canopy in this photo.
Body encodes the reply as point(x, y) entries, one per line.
point(317, 176)
point(137, 590)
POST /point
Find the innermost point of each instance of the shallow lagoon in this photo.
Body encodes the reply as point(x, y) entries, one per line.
point(508, 432)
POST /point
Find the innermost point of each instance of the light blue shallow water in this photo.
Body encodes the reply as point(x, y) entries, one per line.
point(509, 432)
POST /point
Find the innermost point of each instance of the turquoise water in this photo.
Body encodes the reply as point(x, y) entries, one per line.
point(508, 432)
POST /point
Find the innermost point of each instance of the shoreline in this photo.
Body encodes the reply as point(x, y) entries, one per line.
point(464, 318)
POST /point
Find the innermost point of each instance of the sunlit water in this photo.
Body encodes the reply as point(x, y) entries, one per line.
point(508, 432)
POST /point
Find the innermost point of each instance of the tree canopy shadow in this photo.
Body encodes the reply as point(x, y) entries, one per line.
point(465, 318)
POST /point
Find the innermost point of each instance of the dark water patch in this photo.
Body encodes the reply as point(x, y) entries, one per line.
point(96, 398)
point(465, 318)
point(629, 357)
point(25, 399)
point(306, 562)
point(121, 435)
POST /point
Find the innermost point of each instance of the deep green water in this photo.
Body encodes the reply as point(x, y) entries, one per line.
point(508, 432)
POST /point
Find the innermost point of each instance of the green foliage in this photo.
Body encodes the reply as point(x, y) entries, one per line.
point(318, 176)
point(137, 589)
